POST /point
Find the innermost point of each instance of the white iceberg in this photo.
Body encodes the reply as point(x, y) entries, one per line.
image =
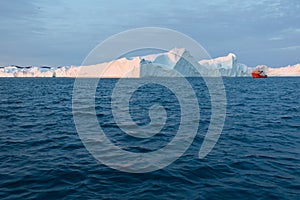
point(174, 63)
point(227, 66)
point(290, 70)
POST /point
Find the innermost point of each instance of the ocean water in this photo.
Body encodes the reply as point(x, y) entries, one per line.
point(256, 157)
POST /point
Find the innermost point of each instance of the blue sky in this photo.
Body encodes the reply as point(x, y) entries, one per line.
point(63, 32)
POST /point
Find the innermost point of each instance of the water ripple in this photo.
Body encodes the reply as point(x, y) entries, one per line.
point(257, 156)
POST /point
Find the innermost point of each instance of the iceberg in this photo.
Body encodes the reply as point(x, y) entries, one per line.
point(227, 66)
point(174, 63)
point(290, 70)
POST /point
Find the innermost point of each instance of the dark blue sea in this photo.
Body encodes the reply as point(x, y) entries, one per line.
point(256, 157)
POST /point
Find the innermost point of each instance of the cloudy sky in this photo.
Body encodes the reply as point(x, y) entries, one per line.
point(63, 32)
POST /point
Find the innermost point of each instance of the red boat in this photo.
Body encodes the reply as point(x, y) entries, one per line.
point(259, 74)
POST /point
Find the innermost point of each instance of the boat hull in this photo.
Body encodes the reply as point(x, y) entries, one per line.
point(258, 74)
point(254, 75)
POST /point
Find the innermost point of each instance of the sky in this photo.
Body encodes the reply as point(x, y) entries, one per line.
point(63, 32)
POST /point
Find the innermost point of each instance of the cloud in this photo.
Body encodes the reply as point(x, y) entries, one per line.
point(291, 30)
point(276, 38)
point(296, 47)
point(63, 31)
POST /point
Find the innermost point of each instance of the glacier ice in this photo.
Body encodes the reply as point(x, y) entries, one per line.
point(290, 70)
point(174, 63)
point(227, 66)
